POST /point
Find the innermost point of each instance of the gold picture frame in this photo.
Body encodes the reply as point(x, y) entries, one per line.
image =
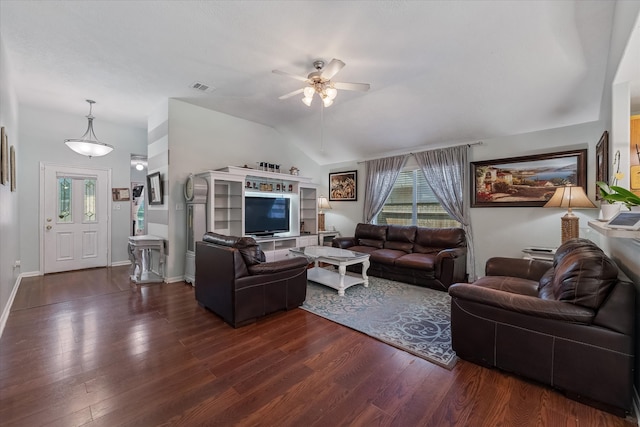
point(4, 157)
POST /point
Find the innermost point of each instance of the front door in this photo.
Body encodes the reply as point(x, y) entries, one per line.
point(76, 221)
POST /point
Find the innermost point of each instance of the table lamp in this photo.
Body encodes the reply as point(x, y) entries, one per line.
point(569, 197)
point(323, 203)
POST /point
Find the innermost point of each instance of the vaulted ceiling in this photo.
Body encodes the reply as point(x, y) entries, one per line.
point(441, 72)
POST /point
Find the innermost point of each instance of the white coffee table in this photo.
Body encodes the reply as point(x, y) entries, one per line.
point(334, 256)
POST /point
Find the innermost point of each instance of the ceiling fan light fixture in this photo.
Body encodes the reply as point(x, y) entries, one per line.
point(331, 93)
point(309, 91)
point(88, 144)
point(307, 101)
point(327, 102)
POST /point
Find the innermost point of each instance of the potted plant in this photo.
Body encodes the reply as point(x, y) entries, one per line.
point(614, 193)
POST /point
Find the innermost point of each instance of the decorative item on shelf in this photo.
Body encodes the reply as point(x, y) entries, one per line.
point(278, 187)
point(323, 204)
point(294, 171)
point(88, 144)
point(290, 187)
point(613, 193)
point(569, 197)
point(301, 227)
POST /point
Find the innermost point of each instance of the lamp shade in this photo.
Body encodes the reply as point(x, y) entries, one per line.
point(569, 197)
point(323, 203)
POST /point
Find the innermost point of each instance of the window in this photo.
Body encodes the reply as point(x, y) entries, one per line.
point(412, 202)
point(64, 200)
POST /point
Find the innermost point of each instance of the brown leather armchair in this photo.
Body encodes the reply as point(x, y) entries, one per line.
point(233, 281)
point(569, 324)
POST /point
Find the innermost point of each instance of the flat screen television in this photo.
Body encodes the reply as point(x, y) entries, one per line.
point(265, 216)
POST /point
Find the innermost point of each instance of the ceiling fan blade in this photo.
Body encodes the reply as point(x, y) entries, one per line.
point(332, 69)
point(284, 73)
point(290, 94)
point(362, 87)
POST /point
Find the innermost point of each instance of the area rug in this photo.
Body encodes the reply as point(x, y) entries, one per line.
point(411, 318)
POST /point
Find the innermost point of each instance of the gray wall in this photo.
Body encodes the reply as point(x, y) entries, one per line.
point(9, 216)
point(42, 133)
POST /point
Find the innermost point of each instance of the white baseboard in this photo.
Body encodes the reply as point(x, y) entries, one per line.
point(174, 279)
point(119, 263)
point(7, 308)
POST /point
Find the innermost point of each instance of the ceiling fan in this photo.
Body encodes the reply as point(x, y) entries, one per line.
point(320, 82)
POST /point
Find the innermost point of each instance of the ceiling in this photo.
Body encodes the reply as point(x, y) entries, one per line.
point(440, 72)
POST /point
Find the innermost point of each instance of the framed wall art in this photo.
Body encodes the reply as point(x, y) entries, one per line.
point(4, 157)
point(154, 187)
point(602, 161)
point(526, 181)
point(120, 194)
point(12, 155)
point(343, 186)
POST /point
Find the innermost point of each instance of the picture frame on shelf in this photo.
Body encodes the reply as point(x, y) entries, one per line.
point(526, 181)
point(602, 161)
point(343, 186)
point(154, 188)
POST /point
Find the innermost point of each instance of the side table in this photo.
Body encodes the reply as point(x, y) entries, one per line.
point(141, 249)
point(325, 237)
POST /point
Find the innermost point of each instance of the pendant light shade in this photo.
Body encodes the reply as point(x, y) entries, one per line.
point(88, 144)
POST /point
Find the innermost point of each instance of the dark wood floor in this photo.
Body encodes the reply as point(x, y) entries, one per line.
point(86, 348)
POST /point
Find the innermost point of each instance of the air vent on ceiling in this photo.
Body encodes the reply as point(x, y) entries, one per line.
point(202, 87)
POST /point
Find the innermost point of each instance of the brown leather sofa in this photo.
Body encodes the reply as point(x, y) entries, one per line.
point(433, 257)
point(233, 281)
point(567, 323)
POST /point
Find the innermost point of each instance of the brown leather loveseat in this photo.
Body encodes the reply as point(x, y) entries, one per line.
point(568, 324)
point(233, 281)
point(433, 257)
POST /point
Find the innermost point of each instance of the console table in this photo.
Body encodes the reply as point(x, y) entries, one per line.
point(141, 250)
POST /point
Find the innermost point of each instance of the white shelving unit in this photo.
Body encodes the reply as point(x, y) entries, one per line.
point(601, 228)
point(225, 205)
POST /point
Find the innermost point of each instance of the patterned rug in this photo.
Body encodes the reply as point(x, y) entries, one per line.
point(412, 318)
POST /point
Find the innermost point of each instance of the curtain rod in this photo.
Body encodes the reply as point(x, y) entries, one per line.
point(470, 144)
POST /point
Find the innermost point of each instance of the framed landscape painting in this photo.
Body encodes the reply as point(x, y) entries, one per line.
point(343, 186)
point(526, 181)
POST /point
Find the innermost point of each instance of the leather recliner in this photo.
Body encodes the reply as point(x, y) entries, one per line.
point(233, 281)
point(569, 324)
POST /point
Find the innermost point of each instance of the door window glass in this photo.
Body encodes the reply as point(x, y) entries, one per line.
point(64, 200)
point(90, 200)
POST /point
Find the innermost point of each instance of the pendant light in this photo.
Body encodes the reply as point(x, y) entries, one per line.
point(88, 144)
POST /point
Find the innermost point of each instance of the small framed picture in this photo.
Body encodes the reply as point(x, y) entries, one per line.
point(12, 152)
point(4, 157)
point(120, 194)
point(343, 186)
point(154, 186)
point(602, 161)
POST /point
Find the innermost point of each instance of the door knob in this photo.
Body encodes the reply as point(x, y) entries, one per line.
point(48, 227)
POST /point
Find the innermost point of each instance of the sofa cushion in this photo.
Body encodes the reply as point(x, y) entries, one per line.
point(250, 251)
point(371, 235)
point(418, 261)
point(400, 238)
point(386, 256)
point(376, 244)
point(433, 240)
point(584, 276)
